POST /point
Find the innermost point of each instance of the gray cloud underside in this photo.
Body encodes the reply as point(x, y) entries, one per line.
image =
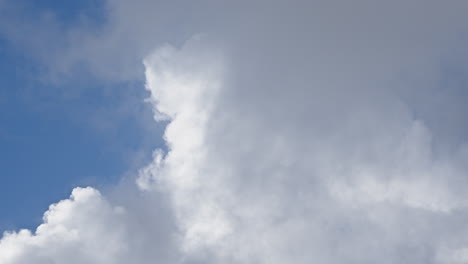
point(300, 132)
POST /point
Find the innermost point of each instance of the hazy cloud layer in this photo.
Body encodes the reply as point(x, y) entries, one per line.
point(298, 132)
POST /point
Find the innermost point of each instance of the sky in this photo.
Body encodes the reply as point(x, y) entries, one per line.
point(238, 132)
point(58, 135)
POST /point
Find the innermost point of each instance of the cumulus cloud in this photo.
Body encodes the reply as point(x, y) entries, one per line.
point(88, 228)
point(314, 172)
point(298, 132)
point(84, 228)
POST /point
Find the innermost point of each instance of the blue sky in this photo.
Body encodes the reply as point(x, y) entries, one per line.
point(57, 135)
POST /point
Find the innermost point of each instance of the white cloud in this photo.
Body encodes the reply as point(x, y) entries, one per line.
point(87, 228)
point(184, 85)
point(82, 229)
point(245, 189)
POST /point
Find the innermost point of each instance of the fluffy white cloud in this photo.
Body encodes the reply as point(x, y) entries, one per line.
point(301, 133)
point(82, 229)
point(330, 177)
point(87, 228)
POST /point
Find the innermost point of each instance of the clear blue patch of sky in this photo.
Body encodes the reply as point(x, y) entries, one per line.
point(50, 143)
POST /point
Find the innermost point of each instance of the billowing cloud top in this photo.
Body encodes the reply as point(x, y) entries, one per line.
point(298, 132)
